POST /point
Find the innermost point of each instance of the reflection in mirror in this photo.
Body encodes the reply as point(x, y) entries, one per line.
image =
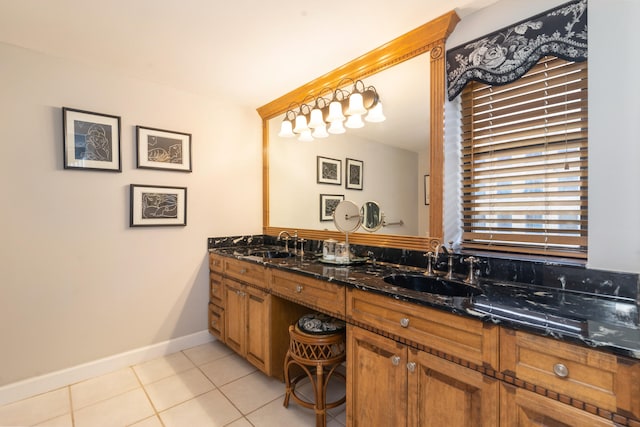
point(425, 42)
point(372, 217)
point(394, 156)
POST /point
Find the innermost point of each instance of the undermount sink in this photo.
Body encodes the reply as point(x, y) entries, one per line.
point(432, 285)
point(275, 254)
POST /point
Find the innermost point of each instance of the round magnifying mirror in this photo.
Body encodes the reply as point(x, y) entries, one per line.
point(372, 217)
point(346, 216)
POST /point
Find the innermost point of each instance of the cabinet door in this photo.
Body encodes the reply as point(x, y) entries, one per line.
point(376, 380)
point(257, 306)
point(442, 393)
point(235, 316)
point(523, 408)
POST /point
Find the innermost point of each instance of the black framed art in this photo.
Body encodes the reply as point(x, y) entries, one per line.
point(328, 203)
point(155, 205)
point(355, 170)
point(163, 149)
point(91, 140)
point(329, 171)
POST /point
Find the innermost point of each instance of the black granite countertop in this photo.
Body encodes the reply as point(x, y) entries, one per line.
point(607, 322)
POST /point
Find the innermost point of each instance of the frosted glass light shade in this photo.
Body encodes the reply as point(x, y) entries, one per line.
point(354, 122)
point(305, 136)
point(301, 124)
point(375, 114)
point(286, 129)
point(315, 119)
point(321, 131)
point(335, 112)
point(336, 128)
point(356, 104)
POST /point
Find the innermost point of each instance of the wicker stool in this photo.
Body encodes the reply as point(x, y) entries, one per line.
point(318, 352)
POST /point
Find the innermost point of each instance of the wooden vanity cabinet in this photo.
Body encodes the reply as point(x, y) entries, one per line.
point(468, 339)
point(572, 374)
point(524, 408)
point(247, 322)
point(216, 302)
point(391, 383)
point(317, 294)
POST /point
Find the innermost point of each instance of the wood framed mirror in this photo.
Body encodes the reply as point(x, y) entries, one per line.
point(427, 39)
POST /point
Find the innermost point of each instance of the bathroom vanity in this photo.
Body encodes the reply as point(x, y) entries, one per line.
point(511, 355)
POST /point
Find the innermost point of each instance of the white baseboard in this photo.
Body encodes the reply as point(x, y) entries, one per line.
point(54, 380)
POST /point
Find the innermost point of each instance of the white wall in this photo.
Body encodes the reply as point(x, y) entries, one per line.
point(76, 283)
point(614, 112)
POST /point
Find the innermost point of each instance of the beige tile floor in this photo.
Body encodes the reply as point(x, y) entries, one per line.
point(207, 385)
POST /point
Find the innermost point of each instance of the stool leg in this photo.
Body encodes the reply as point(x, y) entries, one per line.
point(287, 381)
point(321, 412)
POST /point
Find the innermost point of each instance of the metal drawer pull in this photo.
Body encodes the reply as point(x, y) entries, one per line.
point(243, 270)
point(561, 370)
point(404, 322)
point(299, 288)
point(411, 366)
point(395, 360)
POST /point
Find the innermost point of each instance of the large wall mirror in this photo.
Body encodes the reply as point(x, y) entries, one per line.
point(396, 155)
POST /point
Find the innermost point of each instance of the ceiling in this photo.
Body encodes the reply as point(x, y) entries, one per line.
point(245, 51)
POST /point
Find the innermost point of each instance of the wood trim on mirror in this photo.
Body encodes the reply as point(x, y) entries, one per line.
point(429, 37)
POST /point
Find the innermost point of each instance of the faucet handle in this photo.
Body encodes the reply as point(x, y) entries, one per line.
point(430, 257)
point(471, 279)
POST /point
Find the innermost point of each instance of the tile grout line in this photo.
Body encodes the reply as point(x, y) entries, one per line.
point(144, 390)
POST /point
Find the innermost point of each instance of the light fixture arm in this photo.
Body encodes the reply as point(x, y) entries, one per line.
point(349, 101)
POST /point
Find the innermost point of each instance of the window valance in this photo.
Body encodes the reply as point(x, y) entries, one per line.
point(505, 55)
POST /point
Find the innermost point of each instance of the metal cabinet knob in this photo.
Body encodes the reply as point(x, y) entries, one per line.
point(404, 322)
point(411, 366)
point(299, 288)
point(243, 270)
point(561, 370)
point(395, 360)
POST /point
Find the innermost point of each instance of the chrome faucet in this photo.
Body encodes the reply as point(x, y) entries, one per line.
point(449, 252)
point(429, 272)
point(471, 277)
point(286, 240)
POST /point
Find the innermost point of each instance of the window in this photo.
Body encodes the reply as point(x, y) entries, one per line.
point(524, 162)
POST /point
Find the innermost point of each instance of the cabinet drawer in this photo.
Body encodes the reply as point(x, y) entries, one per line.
point(215, 263)
point(318, 294)
point(468, 339)
point(591, 376)
point(520, 407)
point(246, 272)
point(215, 289)
point(216, 321)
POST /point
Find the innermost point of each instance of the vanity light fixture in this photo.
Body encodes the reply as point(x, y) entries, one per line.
point(330, 116)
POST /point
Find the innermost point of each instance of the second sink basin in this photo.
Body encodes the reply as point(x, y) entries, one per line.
point(432, 285)
point(276, 254)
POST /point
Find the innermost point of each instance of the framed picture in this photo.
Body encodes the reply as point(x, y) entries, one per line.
point(328, 203)
point(163, 149)
point(426, 189)
point(329, 171)
point(91, 140)
point(354, 174)
point(153, 205)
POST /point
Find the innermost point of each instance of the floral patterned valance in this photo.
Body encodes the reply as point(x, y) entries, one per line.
point(506, 55)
